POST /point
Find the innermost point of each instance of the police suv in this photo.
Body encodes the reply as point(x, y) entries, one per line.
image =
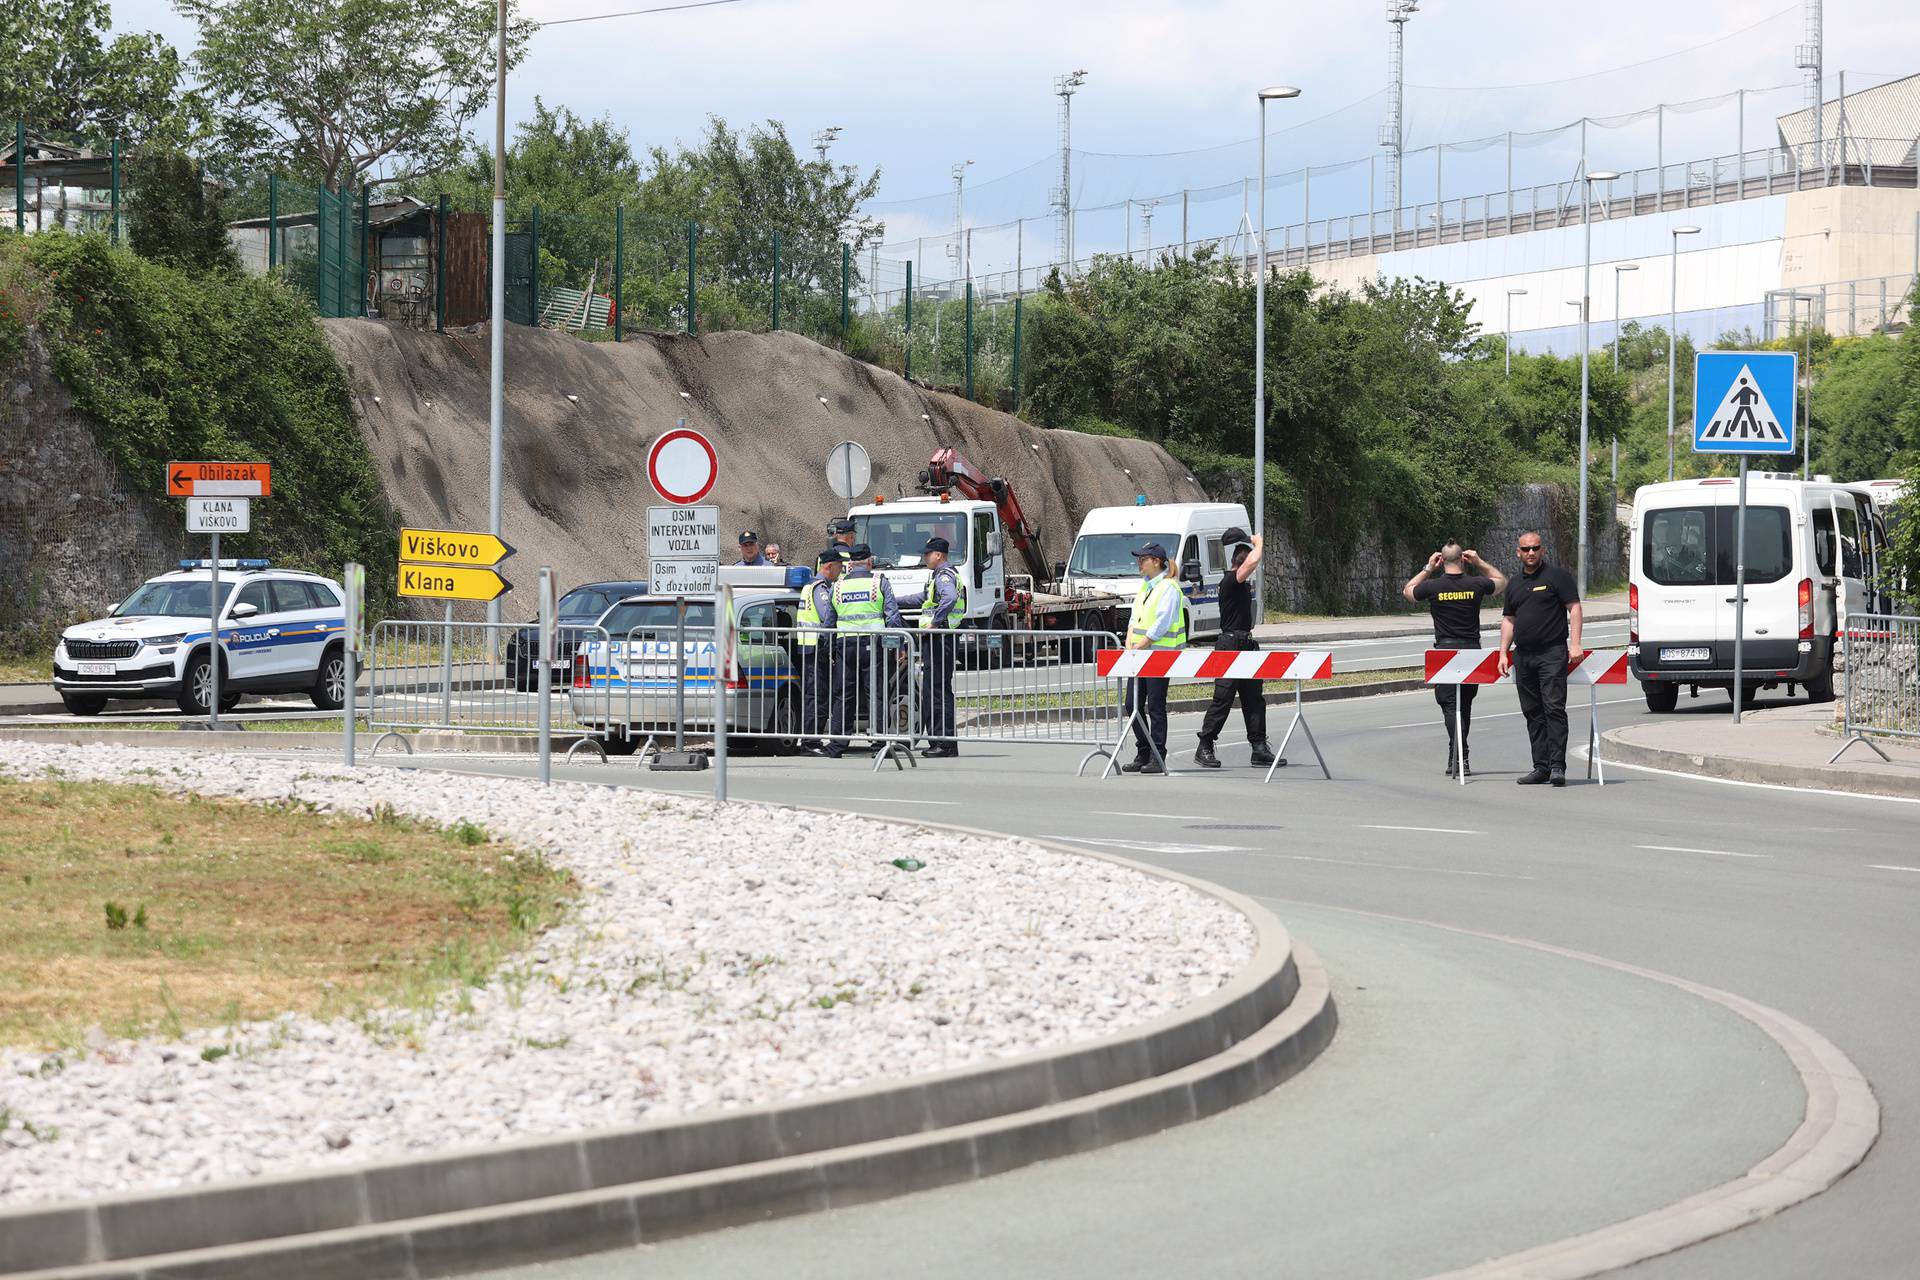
point(281, 631)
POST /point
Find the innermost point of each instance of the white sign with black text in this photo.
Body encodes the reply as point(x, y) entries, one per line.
point(219, 515)
point(683, 533)
point(685, 577)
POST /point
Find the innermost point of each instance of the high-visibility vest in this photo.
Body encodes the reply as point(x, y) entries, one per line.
point(811, 626)
point(1147, 606)
point(858, 604)
point(959, 611)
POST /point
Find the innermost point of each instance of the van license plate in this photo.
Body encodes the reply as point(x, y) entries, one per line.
point(1685, 655)
point(97, 669)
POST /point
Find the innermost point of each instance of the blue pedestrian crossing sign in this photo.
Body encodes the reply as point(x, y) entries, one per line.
point(1743, 401)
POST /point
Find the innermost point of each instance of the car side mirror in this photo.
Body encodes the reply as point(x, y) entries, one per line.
point(114, 608)
point(1190, 571)
point(1059, 569)
point(244, 610)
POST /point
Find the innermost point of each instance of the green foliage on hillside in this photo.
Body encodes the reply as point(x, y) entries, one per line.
point(173, 364)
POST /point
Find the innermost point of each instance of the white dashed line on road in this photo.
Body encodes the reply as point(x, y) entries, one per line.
point(1398, 866)
point(1443, 831)
point(1677, 848)
point(913, 800)
point(1177, 817)
point(1890, 866)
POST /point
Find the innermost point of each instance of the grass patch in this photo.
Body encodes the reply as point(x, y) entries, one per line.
point(136, 911)
point(22, 669)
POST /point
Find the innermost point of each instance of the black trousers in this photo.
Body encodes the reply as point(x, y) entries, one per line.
point(1148, 696)
point(1541, 677)
point(851, 672)
point(1251, 693)
point(939, 651)
point(1444, 694)
point(816, 674)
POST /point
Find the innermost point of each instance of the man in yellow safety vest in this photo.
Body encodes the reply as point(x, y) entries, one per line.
point(814, 645)
point(1159, 621)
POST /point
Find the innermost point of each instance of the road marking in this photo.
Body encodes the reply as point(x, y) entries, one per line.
point(1396, 866)
point(913, 800)
point(1444, 831)
point(1149, 846)
point(1177, 817)
point(1581, 752)
point(1504, 715)
point(1679, 848)
point(1891, 866)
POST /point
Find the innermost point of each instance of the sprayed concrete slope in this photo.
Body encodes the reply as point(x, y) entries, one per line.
point(576, 488)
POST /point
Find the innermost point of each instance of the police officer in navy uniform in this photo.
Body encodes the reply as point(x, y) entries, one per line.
point(943, 607)
point(863, 603)
point(840, 532)
point(1236, 635)
point(750, 549)
point(813, 644)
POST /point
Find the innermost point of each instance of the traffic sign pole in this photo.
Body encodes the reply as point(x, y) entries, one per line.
point(1740, 596)
point(213, 649)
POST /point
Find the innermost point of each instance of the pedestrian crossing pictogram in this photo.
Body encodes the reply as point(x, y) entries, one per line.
point(1744, 402)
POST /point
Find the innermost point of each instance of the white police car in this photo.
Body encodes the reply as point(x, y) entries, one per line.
point(281, 631)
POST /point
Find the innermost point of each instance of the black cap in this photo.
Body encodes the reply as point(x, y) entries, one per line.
point(859, 551)
point(748, 536)
point(840, 524)
point(1153, 549)
point(938, 544)
point(832, 555)
point(1235, 535)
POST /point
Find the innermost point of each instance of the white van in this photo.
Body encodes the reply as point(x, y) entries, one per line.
point(1680, 600)
point(1191, 532)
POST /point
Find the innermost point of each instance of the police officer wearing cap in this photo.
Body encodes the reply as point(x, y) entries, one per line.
point(750, 549)
point(943, 607)
point(1159, 621)
point(1236, 634)
point(863, 603)
point(840, 532)
point(814, 645)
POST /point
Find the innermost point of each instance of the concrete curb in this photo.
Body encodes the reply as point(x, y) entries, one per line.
point(1623, 750)
point(546, 1198)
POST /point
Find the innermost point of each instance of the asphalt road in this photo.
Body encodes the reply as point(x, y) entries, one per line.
point(1480, 1097)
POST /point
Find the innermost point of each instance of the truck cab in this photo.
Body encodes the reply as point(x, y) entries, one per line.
point(898, 530)
point(1193, 534)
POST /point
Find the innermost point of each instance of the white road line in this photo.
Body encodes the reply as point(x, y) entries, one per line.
point(1445, 831)
point(1151, 846)
point(1891, 866)
point(1177, 817)
point(1395, 866)
point(1572, 707)
point(1680, 848)
point(913, 800)
point(1581, 751)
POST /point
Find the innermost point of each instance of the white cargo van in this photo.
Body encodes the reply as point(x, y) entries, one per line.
point(1191, 532)
point(1810, 546)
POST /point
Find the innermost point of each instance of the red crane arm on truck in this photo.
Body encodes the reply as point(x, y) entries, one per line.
point(948, 470)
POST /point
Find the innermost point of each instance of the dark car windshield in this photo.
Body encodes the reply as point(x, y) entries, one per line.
point(655, 619)
point(1110, 555)
point(178, 599)
point(582, 604)
point(1693, 546)
point(899, 540)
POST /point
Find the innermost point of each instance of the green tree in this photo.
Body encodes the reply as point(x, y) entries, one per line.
point(1857, 399)
point(328, 89)
point(174, 215)
point(64, 78)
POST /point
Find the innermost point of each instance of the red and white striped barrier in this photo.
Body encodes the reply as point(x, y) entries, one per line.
point(1482, 666)
point(1215, 664)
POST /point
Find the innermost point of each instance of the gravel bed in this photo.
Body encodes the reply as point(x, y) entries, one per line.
point(715, 959)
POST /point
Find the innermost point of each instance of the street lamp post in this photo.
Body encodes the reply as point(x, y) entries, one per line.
point(1586, 318)
point(1619, 269)
point(1673, 316)
point(1511, 295)
point(497, 319)
point(1260, 350)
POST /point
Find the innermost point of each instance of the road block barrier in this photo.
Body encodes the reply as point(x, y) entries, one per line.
point(1482, 666)
point(464, 676)
point(1297, 665)
point(1880, 655)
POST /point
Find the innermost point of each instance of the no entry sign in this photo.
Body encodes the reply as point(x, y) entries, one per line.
point(682, 466)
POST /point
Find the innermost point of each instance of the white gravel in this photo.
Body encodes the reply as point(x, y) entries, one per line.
point(688, 977)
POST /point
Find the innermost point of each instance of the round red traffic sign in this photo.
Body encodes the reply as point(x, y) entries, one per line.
point(682, 466)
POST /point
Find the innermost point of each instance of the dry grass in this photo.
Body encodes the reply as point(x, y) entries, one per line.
point(20, 669)
point(138, 912)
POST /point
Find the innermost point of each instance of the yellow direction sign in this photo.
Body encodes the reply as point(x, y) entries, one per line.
point(451, 582)
point(452, 546)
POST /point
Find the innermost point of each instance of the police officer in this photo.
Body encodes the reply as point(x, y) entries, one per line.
point(862, 605)
point(1453, 584)
point(814, 647)
point(1159, 621)
point(840, 532)
point(943, 606)
point(1236, 635)
point(750, 549)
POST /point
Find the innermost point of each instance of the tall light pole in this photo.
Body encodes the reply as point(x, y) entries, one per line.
point(1393, 134)
point(1673, 320)
point(1511, 295)
point(824, 139)
point(954, 250)
point(497, 335)
point(1619, 269)
point(1586, 320)
point(1063, 89)
point(1269, 94)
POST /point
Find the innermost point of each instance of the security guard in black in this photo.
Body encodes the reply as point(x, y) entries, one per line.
point(1541, 625)
point(1452, 585)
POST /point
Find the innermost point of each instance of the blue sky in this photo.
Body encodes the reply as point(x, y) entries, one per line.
point(917, 87)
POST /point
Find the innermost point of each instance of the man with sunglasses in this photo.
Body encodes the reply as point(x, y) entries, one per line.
point(1539, 634)
point(1452, 584)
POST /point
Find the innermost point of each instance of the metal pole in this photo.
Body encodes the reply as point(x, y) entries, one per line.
point(213, 620)
point(1806, 395)
point(1660, 155)
point(1740, 143)
point(1509, 340)
point(907, 365)
point(619, 270)
point(1306, 214)
point(1615, 473)
point(535, 316)
point(722, 671)
point(366, 284)
point(969, 339)
point(1509, 182)
point(113, 227)
point(693, 243)
point(346, 238)
point(1185, 239)
point(440, 265)
point(497, 316)
point(680, 662)
point(1260, 372)
point(446, 668)
point(546, 676)
point(846, 286)
point(355, 581)
point(1439, 218)
point(1673, 312)
point(1740, 595)
point(1586, 308)
point(776, 281)
point(1016, 355)
point(273, 220)
point(20, 174)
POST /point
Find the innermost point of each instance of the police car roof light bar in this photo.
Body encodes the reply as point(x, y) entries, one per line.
point(227, 564)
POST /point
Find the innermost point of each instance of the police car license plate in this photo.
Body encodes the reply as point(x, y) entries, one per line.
point(96, 668)
point(1685, 655)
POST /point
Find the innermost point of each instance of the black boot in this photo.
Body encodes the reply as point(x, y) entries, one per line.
point(1453, 760)
point(1204, 757)
point(1466, 761)
point(1262, 755)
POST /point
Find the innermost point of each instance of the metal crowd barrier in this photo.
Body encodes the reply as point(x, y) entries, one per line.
point(1055, 696)
point(461, 676)
point(1881, 655)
